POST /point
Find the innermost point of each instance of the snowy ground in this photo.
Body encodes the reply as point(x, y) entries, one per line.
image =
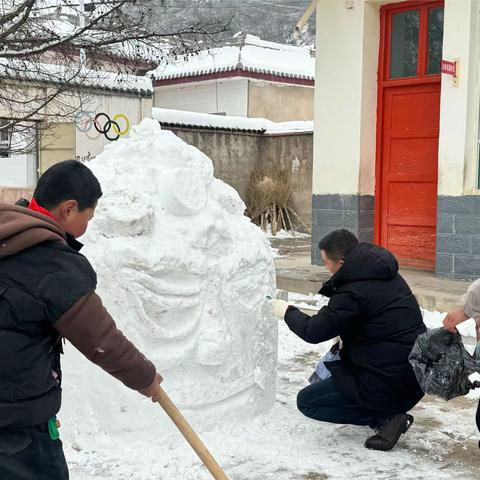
point(282, 444)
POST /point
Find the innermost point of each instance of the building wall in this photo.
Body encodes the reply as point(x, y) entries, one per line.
point(57, 143)
point(235, 155)
point(65, 140)
point(229, 96)
point(294, 153)
point(91, 143)
point(70, 140)
point(345, 113)
point(279, 102)
point(11, 195)
point(458, 210)
point(344, 151)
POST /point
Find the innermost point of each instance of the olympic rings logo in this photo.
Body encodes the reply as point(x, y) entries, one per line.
point(102, 124)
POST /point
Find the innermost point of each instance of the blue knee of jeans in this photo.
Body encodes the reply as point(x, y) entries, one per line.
point(302, 402)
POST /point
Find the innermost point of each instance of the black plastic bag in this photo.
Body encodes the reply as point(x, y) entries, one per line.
point(442, 364)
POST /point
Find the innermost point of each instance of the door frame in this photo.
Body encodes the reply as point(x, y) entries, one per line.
point(383, 82)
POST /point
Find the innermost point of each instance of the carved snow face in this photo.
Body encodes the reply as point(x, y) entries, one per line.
point(182, 271)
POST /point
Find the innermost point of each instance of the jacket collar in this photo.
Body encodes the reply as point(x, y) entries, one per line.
point(74, 243)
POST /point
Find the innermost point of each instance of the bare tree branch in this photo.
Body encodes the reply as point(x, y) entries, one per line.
point(53, 55)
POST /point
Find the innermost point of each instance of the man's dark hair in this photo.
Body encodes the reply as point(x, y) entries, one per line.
point(68, 180)
point(338, 244)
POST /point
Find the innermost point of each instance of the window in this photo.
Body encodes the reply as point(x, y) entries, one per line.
point(5, 138)
point(404, 45)
point(415, 38)
point(435, 40)
point(18, 154)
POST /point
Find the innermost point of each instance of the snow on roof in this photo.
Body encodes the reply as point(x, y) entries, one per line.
point(87, 78)
point(251, 55)
point(180, 118)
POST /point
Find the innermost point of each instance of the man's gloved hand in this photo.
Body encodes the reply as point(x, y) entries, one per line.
point(279, 308)
point(454, 318)
point(153, 390)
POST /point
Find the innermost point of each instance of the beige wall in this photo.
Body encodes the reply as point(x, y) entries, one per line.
point(294, 153)
point(57, 143)
point(11, 195)
point(90, 144)
point(62, 140)
point(338, 98)
point(235, 155)
point(279, 102)
point(459, 105)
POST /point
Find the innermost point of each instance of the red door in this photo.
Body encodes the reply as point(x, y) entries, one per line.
point(408, 128)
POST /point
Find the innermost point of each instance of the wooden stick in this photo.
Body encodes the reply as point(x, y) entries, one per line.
point(192, 438)
point(289, 220)
point(274, 220)
point(285, 223)
point(307, 228)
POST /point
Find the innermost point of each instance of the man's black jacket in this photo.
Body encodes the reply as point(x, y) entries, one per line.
point(378, 319)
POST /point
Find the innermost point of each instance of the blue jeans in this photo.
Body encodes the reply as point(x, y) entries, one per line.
point(30, 454)
point(322, 401)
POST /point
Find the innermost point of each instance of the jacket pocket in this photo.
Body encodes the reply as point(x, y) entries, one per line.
point(13, 442)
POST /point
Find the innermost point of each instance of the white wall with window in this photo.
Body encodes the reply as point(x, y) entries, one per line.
point(18, 155)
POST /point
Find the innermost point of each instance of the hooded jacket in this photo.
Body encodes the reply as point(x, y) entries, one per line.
point(378, 319)
point(47, 291)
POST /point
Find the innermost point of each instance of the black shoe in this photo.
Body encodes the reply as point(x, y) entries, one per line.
point(388, 434)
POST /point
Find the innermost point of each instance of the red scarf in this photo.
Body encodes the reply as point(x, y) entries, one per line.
point(33, 205)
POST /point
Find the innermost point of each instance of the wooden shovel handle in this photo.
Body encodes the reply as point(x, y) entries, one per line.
point(192, 438)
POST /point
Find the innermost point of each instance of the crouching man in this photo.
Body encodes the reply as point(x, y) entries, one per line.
point(378, 319)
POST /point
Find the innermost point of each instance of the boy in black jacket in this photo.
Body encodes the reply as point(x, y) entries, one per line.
point(47, 292)
point(378, 319)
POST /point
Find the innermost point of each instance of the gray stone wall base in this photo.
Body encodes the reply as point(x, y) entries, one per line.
point(458, 237)
point(332, 212)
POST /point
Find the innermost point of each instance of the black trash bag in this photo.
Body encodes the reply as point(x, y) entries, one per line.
point(442, 364)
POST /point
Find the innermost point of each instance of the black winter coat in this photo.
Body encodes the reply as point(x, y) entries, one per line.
point(47, 291)
point(36, 287)
point(378, 319)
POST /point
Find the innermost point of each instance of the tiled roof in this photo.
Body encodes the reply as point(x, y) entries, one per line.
point(251, 55)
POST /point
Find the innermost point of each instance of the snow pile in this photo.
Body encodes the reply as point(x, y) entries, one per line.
point(170, 117)
point(282, 444)
point(185, 275)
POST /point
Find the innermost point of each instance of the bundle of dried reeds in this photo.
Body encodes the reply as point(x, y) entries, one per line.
point(269, 192)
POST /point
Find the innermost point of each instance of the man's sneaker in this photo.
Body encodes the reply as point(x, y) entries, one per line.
point(388, 434)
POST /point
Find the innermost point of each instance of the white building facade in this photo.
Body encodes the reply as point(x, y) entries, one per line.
point(396, 157)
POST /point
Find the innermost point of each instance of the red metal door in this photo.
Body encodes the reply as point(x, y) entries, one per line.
point(408, 129)
point(410, 167)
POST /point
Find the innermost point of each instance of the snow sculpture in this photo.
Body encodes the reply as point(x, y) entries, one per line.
point(185, 275)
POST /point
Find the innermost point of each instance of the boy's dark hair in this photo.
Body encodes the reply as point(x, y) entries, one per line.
point(338, 244)
point(68, 180)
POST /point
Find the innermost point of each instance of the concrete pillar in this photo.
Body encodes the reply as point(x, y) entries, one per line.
point(458, 211)
point(345, 119)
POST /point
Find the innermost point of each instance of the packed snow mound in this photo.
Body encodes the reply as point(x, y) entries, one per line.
point(185, 275)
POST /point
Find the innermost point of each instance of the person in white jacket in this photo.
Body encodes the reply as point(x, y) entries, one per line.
point(469, 308)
